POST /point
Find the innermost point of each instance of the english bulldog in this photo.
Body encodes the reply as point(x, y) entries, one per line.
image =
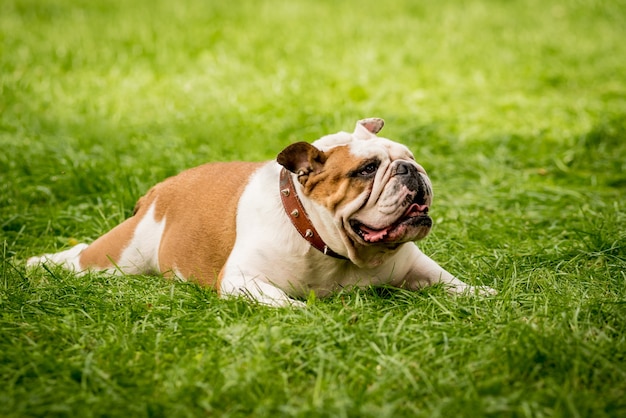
point(341, 212)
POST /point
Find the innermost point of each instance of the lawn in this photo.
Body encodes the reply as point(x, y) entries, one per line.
point(517, 109)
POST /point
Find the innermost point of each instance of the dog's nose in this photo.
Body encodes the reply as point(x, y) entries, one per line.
point(404, 169)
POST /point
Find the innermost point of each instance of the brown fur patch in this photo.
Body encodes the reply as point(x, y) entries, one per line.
point(333, 186)
point(200, 210)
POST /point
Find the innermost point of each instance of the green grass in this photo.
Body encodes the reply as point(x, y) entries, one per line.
point(516, 108)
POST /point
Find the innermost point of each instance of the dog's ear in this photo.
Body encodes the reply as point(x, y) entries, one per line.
point(301, 158)
point(368, 128)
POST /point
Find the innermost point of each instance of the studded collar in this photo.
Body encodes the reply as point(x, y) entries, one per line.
point(298, 216)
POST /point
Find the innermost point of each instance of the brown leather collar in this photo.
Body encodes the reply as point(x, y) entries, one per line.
point(298, 216)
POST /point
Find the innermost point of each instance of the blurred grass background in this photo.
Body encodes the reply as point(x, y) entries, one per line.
point(149, 89)
point(517, 109)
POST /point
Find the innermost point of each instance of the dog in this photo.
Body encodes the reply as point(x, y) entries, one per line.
point(342, 212)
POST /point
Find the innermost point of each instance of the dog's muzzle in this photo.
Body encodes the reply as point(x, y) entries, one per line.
point(412, 221)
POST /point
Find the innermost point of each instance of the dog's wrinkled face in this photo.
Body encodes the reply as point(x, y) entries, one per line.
point(373, 187)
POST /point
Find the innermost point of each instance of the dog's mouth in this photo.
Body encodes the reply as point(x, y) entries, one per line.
point(412, 225)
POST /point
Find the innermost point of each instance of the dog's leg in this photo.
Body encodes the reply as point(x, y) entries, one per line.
point(425, 272)
point(130, 248)
point(255, 289)
point(68, 259)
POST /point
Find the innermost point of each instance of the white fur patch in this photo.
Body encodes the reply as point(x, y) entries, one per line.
point(142, 253)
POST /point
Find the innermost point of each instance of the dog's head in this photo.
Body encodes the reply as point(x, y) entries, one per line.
point(372, 187)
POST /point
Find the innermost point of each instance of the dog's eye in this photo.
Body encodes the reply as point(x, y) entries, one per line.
point(368, 169)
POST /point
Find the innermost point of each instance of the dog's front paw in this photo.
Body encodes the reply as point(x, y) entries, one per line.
point(484, 291)
point(466, 289)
